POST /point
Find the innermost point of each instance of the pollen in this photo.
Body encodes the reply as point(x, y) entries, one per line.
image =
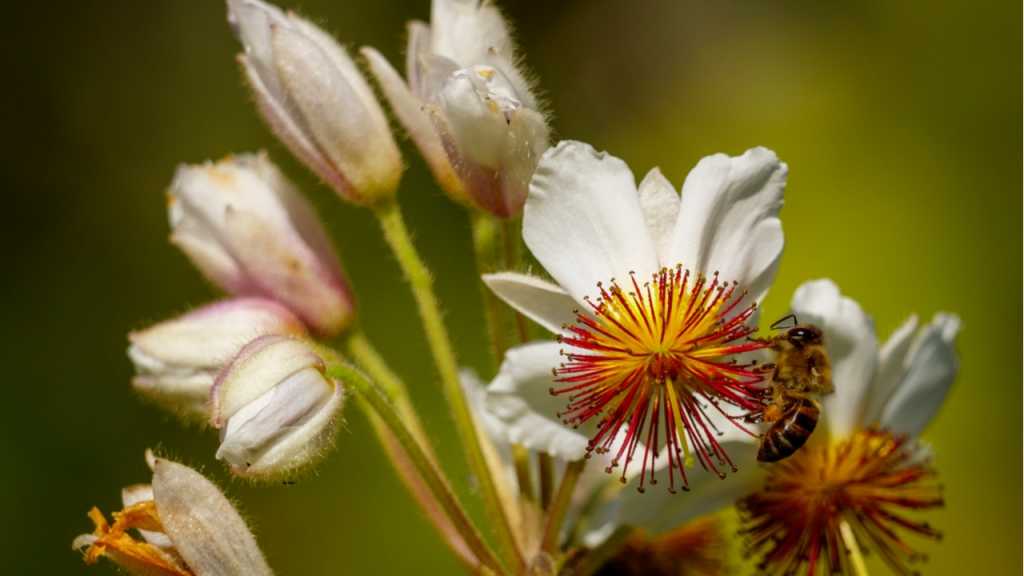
point(652, 362)
point(821, 506)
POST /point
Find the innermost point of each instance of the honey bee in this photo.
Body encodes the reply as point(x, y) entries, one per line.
point(801, 372)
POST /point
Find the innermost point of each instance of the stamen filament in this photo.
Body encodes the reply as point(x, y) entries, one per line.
point(648, 361)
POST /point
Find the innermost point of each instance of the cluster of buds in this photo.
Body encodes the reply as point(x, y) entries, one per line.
point(246, 364)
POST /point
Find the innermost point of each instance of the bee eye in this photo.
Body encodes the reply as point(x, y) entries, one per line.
point(799, 335)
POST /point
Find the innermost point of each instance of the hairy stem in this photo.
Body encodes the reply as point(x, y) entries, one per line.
point(418, 275)
point(378, 402)
point(485, 248)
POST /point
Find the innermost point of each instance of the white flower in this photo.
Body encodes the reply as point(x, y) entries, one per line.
point(864, 477)
point(317, 102)
point(250, 232)
point(467, 105)
point(187, 527)
point(667, 289)
point(177, 360)
point(275, 407)
point(898, 387)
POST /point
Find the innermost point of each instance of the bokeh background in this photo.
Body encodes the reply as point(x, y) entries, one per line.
point(901, 123)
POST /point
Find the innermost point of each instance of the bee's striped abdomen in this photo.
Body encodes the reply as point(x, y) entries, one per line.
point(787, 435)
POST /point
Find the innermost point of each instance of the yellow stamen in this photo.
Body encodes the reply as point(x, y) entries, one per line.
point(859, 568)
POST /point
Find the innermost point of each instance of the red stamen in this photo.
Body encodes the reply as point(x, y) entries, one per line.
point(648, 362)
point(866, 481)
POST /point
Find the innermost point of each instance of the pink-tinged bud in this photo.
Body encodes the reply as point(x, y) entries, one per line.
point(316, 101)
point(467, 105)
point(177, 360)
point(250, 232)
point(493, 140)
point(276, 408)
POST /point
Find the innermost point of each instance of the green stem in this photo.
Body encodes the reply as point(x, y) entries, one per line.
point(511, 241)
point(521, 460)
point(380, 404)
point(418, 275)
point(560, 505)
point(485, 248)
point(418, 489)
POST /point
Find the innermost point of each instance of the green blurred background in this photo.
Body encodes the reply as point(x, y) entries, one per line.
point(901, 123)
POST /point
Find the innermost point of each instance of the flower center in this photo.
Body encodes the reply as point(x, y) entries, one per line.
point(825, 502)
point(652, 361)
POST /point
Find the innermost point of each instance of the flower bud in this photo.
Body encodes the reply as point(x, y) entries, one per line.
point(251, 233)
point(467, 105)
point(275, 407)
point(494, 141)
point(177, 360)
point(316, 101)
point(187, 527)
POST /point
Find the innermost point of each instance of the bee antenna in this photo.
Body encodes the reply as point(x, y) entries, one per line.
point(778, 323)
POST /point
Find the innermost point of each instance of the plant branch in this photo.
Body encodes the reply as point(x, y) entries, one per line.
point(560, 505)
point(418, 275)
point(378, 402)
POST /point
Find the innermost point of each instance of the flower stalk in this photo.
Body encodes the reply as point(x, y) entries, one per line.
point(377, 400)
point(488, 253)
point(421, 283)
point(560, 505)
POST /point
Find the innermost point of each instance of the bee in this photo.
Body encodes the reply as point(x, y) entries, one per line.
point(801, 372)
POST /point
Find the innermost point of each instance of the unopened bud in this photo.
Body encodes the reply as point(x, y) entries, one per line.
point(276, 408)
point(316, 101)
point(467, 105)
point(178, 360)
point(250, 232)
point(493, 138)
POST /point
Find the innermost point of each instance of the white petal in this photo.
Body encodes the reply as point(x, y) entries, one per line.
point(539, 300)
point(474, 101)
point(657, 510)
point(417, 47)
point(583, 220)
point(660, 204)
point(932, 367)
point(285, 429)
point(476, 396)
point(209, 336)
point(465, 31)
point(892, 368)
point(852, 347)
point(258, 367)
point(520, 396)
point(206, 530)
point(729, 219)
point(409, 111)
